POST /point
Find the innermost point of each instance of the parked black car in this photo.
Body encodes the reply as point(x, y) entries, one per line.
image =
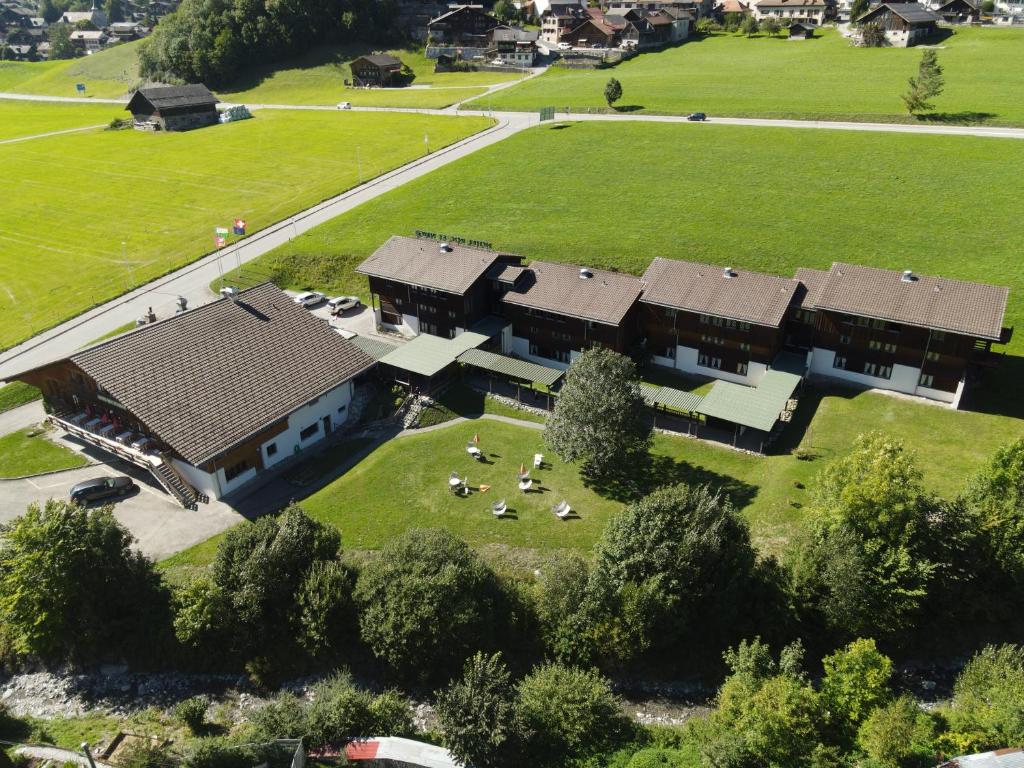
point(101, 488)
point(697, 117)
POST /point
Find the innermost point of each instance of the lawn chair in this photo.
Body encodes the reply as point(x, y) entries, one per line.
point(562, 510)
point(473, 451)
point(454, 482)
point(538, 459)
point(499, 508)
point(525, 484)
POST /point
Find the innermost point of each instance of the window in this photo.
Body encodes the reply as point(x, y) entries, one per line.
point(874, 369)
point(669, 352)
point(926, 380)
point(844, 339)
point(534, 350)
point(932, 356)
point(342, 408)
point(717, 322)
point(309, 431)
point(670, 312)
point(874, 345)
point(885, 371)
point(451, 314)
point(744, 326)
point(878, 325)
point(839, 362)
point(704, 319)
point(744, 347)
point(709, 362)
point(271, 449)
point(741, 369)
point(890, 348)
point(863, 322)
point(939, 335)
point(235, 470)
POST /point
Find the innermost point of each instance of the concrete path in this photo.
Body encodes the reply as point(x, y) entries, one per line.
point(21, 417)
point(53, 133)
point(193, 281)
point(472, 417)
point(59, 756)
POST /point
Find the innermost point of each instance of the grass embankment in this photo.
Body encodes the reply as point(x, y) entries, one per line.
point(164, 193)
point(319, 78)
point(26, 118)
point(768, 199)
point(17, 393)
point(822, 78)
point(110, 74)
point(29, 452)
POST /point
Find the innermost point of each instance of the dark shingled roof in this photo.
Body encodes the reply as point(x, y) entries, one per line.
point(811, 282)
point(381, 60)
point(747, 296)
point(419, 261)
point(972, 309)
point(912, 13)
point(605, 297)
point(207, 379)
point(168, 96)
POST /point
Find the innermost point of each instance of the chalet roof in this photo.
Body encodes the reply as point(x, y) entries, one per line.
point(957, 306)
point(506, 273)
point(1008, 757)
point(956, 3)
point(811, 282)
point(794, 3)
point(209, 378)
point(512, 34)
point(462, 9)
point(88, 34)
point(604, 297)
point(419, 261)
point(381, 60)
point(174, 96)
point(912, 13)
point(746, 296)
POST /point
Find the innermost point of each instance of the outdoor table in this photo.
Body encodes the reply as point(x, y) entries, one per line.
point(454, 482)
point(141, 443)
point(78, 419)
point(105, 430)
point(93, 424)
point(125, 437)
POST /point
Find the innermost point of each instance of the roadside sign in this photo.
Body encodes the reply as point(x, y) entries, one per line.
point(80, 87)
point(547, 113)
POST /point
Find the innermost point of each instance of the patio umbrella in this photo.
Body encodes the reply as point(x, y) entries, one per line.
point(522, 469)
point(476, 438)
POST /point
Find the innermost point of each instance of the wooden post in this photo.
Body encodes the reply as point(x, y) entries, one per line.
point(735, 434)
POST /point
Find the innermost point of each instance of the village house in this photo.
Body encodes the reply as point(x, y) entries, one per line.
point(815, 12)
point(89, 41)
point(898, 330)
point(799, 30)
point(210, 399)
point(513, 46)
point(558, 20)
point(126, 31)
point(591, 33)
point(959, 12)
point(375, 70)
point(94, 18)
point(904, 24)
point(463, 25)
point(536, 9)
point(173, 107)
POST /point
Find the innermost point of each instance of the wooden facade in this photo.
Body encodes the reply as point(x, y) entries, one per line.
point(556, 336)
point(375, 70)
point(466, 25)
point(437, 312)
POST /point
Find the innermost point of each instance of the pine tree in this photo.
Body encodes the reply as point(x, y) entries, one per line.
point(927, 85)
point(612, 91)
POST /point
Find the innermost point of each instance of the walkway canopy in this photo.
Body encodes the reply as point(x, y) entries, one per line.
point(512, 367)
point(373, 347)
point(757, 408)
point(671, 399)
point(428, 355)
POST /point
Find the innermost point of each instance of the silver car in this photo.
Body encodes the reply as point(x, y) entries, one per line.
point(309, 298)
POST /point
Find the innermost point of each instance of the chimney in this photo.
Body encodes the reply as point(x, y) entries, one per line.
point(229, 292)
point(727, 273)
point(908, 276)
point(445, 248)
point(585, 274)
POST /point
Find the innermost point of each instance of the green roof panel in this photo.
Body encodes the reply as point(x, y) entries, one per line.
point(427, 355)
point(675, 399)
point(757, 407)
point(511, 366)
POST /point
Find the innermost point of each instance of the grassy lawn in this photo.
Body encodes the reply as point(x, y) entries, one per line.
point(17, 393)
point(825, 77)
point(867, 198)
point(319, 78)
point(166, 192)
point(29, 452)
point(107, 75)
point(26, 118)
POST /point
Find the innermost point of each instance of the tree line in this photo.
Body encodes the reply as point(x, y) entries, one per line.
point(212, 41)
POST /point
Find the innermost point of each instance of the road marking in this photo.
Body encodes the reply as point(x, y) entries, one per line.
point(52, 133)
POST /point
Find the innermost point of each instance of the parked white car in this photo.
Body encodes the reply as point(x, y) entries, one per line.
point(340, 304)
point(565, 46)
point(309, 298)
point(344, 105)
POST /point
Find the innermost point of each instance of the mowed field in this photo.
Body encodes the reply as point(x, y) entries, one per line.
point(106, 75)
point(80, 196)
point(27, 118)
point(319, 78)
point(825, 77)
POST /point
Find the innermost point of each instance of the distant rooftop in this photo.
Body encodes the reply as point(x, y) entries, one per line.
point(590, 294)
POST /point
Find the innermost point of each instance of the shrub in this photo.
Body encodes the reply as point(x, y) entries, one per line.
point(191, 712)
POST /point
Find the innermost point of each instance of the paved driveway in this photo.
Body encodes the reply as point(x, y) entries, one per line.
point(160, 526)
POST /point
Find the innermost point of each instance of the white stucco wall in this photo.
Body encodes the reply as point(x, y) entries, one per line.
point(686, 361)
point(328, 405)
point(506, 339)
point(201, 481)
point(521, 348)
point(904, 378)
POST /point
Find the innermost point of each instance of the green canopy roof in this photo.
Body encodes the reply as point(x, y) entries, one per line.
point(428, 355)
point(373, 347)
point(511, 366)
point(757, 407)
point(676, 399)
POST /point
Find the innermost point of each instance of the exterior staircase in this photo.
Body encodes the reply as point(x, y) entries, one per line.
point(411, 419)
point(175, 484)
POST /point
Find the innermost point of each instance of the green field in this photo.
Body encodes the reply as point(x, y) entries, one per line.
point(821, 78)
point(80, 196)
point(768, 199)
point(106, 75)
point(27, 118)
point(319, 78)
point(29, 452)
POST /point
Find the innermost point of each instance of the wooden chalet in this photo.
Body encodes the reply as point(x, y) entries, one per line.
point(904, 24)
point(800, 30)
point(463, 25)
point(959, 12)
point(815, 12)
point(375, 70)
point(173, 107)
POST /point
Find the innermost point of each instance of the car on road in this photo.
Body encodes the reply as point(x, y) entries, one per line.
point(309, 298)
point(565, 46)
point(341, 304)
point(697, 117)
point(100, 488)
point(344, 105)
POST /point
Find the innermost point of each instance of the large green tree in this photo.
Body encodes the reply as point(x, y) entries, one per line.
point(996, 493)
point(856, 681)
point(988, 698)
point(61, 46)
point(600, 419)
point(899, 735)
point(477, 714)
point(927, 85)
point(426, 602)
point(72, 588)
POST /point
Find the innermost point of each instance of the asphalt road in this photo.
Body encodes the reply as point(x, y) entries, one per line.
point(192, 281)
